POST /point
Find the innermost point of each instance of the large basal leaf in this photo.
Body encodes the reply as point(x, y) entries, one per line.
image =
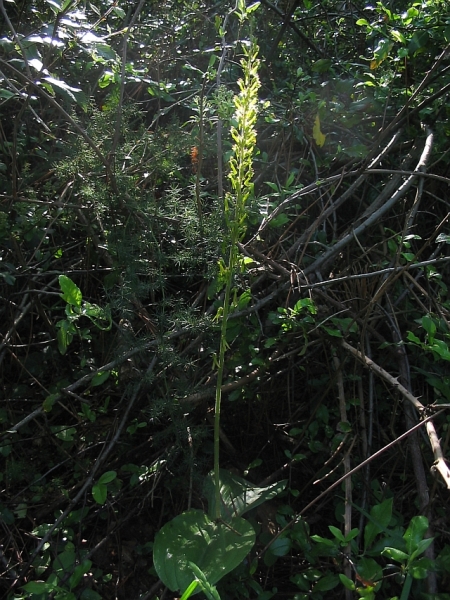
point(237, 494)
point(215, 547)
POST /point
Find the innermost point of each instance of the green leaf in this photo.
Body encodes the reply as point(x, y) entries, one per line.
point(37, 587)
point(413, 338)
point(216, 548)
point(418, 41)
point(190, 590)
point(71, 292)
point(48, 403)
point(332, 332)
point(322, 65)
point(395, 554)
point(237, 494)
point(78, 573)
point(440, 348)
point(64, 335)
point(107, 477)
point(430, 326)
point(66, 433)
point(321, 540)
point(443, 237)
point(369, 570)
point(7, 94)
point(99, 493)
point(380, 517)
point(398, 36)
point(64, 561)
point(208, 589)
point(337, 533)
point(415, 532)
point(280, 546)
point(419, 569)
point(421, 547)
point(348, 583)
point(326, 583)
point(101, 317)
point(100, 378)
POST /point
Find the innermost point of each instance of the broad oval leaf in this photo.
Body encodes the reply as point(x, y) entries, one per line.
point(215, 547)
point(99, 493)
point(237, 494)
point(107, 477)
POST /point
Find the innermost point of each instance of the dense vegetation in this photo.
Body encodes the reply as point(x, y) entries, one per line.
point(158, 262)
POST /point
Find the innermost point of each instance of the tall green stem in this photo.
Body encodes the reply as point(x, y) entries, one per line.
point(241, 173)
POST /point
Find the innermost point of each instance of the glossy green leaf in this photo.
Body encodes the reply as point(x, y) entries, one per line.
point(215, 547)
point(395, 554)
point(237, 494)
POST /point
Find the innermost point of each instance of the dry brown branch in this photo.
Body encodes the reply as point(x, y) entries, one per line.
point(440, 463)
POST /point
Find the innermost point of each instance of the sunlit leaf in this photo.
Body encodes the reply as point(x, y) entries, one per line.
point(71, 292)
point(215, 547)
point(318, 136)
